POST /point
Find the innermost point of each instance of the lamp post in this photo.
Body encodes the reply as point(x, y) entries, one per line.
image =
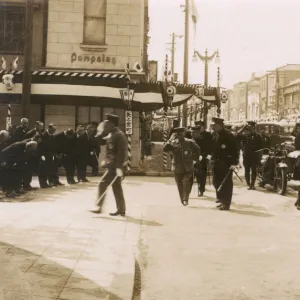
point(127, 95)
point(206, 59)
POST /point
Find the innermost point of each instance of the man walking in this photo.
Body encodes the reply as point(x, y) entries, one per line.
point(225, 158)
point(251, 143)
point(116, 158)
point(185, 153)
point(204, 140)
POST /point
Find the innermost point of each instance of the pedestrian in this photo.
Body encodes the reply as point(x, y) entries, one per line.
point(81, 153)
point(38, 129)
point(14, 160)
point(115, 162)
point(94, 150)
point(46, 152)
point(225, 158)
point(21, 131)
point(185, 153)
point(251, 144)
point(204, 140)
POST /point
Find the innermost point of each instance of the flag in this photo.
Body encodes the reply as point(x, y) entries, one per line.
point(195, 16)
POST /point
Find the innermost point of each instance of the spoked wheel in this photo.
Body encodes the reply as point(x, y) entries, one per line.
point(260, 177)
point(280, 181)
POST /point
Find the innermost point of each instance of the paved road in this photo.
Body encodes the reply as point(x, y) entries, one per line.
point(198, 252)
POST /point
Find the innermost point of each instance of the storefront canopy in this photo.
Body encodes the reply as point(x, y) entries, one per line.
point(95, 88)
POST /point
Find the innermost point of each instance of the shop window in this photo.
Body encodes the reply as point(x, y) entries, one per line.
point(12, 29)
point(94, 22)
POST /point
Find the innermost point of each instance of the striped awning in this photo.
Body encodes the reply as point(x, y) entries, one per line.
point(101, 86)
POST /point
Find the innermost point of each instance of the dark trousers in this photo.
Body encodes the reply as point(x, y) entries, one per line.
point(117, 190)
point(93, 162)
point(220, 170)
point(11, 179)
point(47, 170)
point(201, 174)
point(69, 164)
point(80, 165)
point(183, 182)
point(250, 165)
point(31, 168)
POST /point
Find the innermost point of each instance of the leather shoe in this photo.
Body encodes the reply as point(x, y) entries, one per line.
point(117, 213)
point(59, 183)
point(219, 205)
point(224, 207)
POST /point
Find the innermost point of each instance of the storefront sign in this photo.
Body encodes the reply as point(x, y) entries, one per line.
point(128, 122)
point(88, 58)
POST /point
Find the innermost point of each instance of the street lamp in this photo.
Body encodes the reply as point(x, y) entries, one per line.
point(206, 59)
point(127, 96)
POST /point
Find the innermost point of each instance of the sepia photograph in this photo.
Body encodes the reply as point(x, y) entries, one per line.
point(149, 149)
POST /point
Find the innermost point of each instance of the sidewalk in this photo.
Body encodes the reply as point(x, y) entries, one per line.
point(52, 247)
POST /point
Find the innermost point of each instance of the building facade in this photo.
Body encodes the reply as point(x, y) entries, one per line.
point(81, 51)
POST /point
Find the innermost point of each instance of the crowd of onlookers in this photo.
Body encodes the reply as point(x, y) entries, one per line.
point(40, 151)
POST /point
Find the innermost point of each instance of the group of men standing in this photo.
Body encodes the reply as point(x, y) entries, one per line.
point(194, 150)
point(41, 151)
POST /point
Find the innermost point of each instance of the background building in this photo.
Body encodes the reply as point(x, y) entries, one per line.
point(81, 50)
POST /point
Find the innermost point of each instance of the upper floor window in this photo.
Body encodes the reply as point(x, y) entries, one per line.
point(12, 29)
point(94, 22)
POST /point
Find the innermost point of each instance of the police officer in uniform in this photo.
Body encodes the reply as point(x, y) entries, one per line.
point(204, 140)
point(116, 159)
point(225, 157)
point(251, 143)
point(185, 152)
point(176, 123)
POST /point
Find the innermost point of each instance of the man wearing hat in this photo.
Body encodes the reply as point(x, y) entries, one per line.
point(225, 157)
point(185, 152)
point(204, 140)
point(176, 123)
point(251, 142)
point(115, 162)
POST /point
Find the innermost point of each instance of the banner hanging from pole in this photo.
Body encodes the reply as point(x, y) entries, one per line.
point(128, 122)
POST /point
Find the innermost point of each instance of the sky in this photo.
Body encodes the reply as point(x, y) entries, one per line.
point(252, 36)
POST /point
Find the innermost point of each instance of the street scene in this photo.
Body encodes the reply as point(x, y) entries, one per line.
point(149, 150)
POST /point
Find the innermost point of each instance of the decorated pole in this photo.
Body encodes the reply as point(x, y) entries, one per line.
point(128, 129)
point(165, 118)
point(8, 119)
point(127, 96)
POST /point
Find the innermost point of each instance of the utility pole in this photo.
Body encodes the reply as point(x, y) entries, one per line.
point(173, 43)
point(26, 93)
point(246, 99)
point(186, 59)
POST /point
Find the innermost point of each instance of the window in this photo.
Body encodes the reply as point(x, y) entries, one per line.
point(12, 29)
point(94, 22)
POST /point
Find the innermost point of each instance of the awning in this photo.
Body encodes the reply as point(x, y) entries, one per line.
point(100, 87)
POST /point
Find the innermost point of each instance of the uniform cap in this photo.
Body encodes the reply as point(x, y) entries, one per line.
point(112, 118)
point(219, 121)
point(199, 123)
point(179, 129)
point(195, 128)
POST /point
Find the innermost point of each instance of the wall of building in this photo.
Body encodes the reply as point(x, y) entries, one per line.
point(124, 35)
point(38, 34)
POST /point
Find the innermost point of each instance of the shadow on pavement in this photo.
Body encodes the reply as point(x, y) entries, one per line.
point(137, 294)
point(235, 211)
point(34, 275)
point(241, 206)
point(132, 220)
point(250, 213)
